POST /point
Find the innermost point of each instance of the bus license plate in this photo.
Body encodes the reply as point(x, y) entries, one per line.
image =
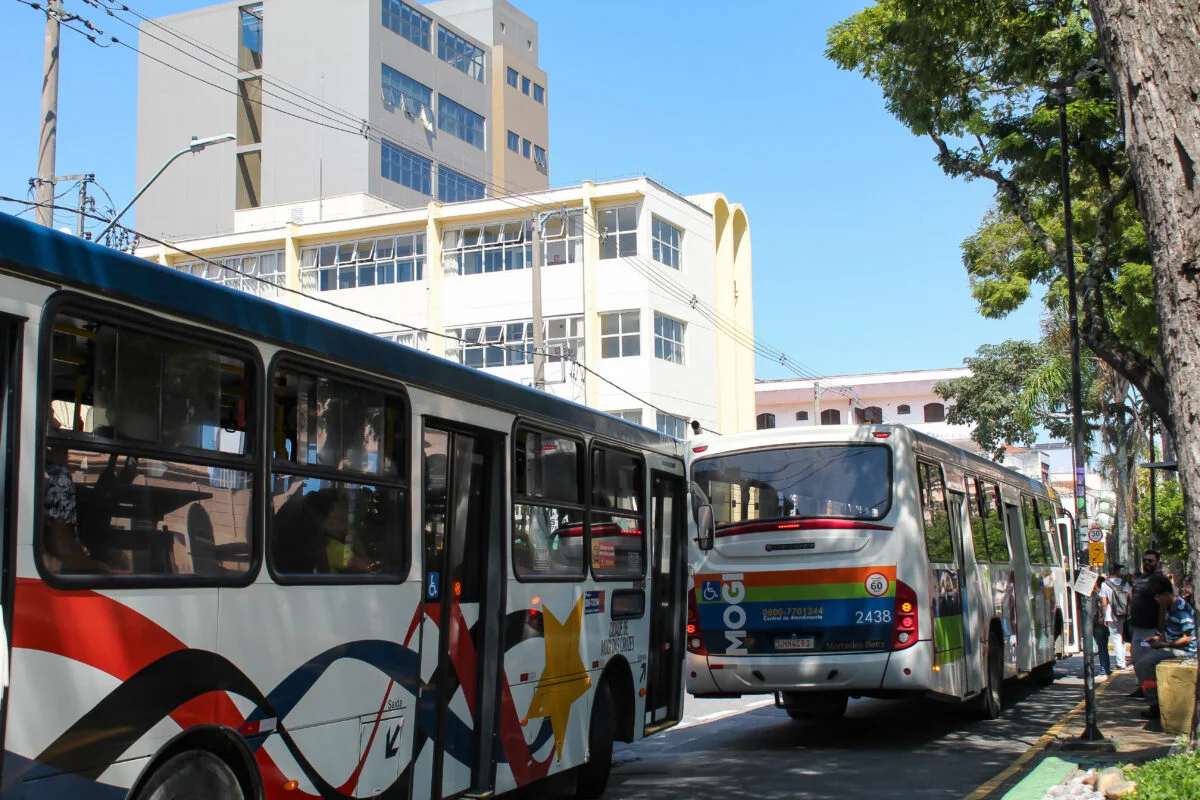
point(794, 643)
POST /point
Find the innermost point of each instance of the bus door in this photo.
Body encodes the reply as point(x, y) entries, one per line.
point(972, 672)
point(10, 382)
point(1023, 575)
point(664, 683)
point(463, 529)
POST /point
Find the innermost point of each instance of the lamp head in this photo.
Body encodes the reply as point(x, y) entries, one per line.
point(197, 145)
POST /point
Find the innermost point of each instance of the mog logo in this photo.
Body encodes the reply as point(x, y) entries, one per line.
point(733, 591)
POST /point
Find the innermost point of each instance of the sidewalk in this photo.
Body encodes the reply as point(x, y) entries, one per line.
point(1053, 758)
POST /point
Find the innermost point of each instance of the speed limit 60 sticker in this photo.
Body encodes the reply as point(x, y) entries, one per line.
point(876, 584)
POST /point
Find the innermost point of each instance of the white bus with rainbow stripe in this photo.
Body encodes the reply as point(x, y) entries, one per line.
point(868, 561)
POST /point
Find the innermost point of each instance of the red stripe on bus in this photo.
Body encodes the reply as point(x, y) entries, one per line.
point(774, 526)
point(805, 577)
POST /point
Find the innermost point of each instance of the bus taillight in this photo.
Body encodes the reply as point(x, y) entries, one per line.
point(694, 643)
point(906, 625)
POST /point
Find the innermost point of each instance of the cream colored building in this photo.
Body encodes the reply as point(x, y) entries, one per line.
point(639, 288)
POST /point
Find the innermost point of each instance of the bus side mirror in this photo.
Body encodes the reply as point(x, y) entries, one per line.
point(705, 527)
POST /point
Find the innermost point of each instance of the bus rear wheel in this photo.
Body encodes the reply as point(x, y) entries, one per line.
point(192, 775)
point(591, 778)
point(825, 707)
point(989, 703)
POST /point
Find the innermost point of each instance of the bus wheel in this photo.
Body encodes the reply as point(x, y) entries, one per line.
point(825, 707)
point(1042, 675)
point(989, 704)
point(591, 778)
point(192, 775)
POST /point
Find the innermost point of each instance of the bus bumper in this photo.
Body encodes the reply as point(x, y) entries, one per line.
point(907, 670)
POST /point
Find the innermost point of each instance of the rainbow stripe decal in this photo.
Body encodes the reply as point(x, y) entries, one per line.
point(797, 611)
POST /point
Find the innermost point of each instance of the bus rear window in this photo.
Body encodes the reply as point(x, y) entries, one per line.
point(849, 481)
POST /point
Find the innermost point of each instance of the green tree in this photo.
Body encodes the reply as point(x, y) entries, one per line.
point(1171, 537)
point(973, 76)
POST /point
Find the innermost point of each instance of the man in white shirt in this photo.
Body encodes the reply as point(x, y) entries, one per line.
point(1115, 603)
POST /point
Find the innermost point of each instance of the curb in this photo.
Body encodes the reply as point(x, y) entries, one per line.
point(985, 790)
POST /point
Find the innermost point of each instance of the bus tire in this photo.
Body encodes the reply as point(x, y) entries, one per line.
point(990, 702)
point(591, 778)
point(193, 775)
point(1042, 675)
point(823, 707)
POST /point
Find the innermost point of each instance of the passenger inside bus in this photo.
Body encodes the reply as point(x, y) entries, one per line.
point(60, 533)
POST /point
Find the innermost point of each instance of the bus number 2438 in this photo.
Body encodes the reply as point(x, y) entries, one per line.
point(872, 617)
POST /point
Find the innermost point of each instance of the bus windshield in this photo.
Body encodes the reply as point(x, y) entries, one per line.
point(843, 480)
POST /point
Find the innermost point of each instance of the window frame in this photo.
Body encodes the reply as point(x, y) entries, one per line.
point(453, 178)
point(802, 416)
point(764, 421)
point(617, 232)
point(621, 333)
point(679, 345)
point(682, 421)
point(659, 247)
point(922, 487)
point(511, 77)
point(458, 125)
point(583, 452)
point(428, 167)
point(145, 321)
point(643, 513)
point(513, 142)
point(539, 93)
point(477, 62)
point(387, 71)
point(426, 32)
point(1029, 503)
point(941, 416)
point(903, 409)
point(320, 368)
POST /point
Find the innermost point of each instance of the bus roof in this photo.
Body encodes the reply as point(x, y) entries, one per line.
point(862, 434)
point(48, 255)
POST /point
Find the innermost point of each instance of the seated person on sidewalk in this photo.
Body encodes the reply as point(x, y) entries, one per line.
point(1178, 641)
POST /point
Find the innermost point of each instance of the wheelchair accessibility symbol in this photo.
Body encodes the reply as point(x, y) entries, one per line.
point(433, 591)
point(711, 591)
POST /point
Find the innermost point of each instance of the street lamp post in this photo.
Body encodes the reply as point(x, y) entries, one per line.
point(1091, 732)
point(195, 146)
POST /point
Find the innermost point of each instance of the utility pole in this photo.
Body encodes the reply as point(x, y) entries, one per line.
point(539, 333)
point(81, 208)
point(816, 403)
point(48, 140)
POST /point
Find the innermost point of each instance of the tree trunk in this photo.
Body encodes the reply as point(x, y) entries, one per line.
point(1152, 49)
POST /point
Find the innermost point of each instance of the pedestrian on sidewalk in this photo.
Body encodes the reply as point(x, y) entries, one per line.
point(1116, 611)
point(1177, 641)
point(1145, 617)
point(1100, 632)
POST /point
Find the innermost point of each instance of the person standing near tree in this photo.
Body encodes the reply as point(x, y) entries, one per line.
point(1145, 615)
point(1099, 602)
point(1115, 592)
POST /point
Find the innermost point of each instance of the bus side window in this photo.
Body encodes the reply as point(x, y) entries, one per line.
point(1033, 532)
point(994, 524)
point(978, 528)
point(933, 508)
point(1046, 515)
point(548, 505)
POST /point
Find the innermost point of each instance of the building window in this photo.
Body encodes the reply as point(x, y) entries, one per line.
point(668, 339)
point(261, 273)
point(524, 85)
point(250, 42)
point(418, 340)
point(801, 416)
point(507, 344)
point(514, 142)
point(539, 156)
point(454, 187)
point(872, 415)
point(620, 334)
point(539, 94)
point(831, 416)
point(249, 121)
point(460, 54)
point(633, 415)
point(618, 232)
point(406, 168)
point(562, 239)
point(935, 412)
point(460, 121)
point(903, 409)
point(765, 421)
point(665, 243)
point(401, 91)
point(248, 178)
point(491, 248)
point(366, 262)
point(512, 77)
point(671, 425)
point(525, 147)
point(405, 20)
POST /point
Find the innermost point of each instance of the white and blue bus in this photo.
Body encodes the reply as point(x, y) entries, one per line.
point(250, 553)
point(843, 561)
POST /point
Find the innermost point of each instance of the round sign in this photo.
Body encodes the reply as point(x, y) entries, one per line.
point(1095, 535)
point(877, 584)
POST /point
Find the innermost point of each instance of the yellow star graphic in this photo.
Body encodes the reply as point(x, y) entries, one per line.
point(564, 680)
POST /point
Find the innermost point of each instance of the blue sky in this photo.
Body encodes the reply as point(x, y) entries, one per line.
point(855, 230)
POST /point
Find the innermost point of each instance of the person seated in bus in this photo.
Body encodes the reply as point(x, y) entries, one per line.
point(340, 553)
point(1177, 641)
point(60, 532)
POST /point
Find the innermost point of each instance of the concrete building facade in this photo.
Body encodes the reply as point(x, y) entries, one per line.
point(905, 398)
point(400, 101)
point(636, 278)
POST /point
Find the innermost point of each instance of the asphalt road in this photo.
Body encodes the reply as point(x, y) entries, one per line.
point(882, 749)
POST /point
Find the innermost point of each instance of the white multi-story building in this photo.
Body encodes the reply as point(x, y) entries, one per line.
point(640, 288)
point(905, 398)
